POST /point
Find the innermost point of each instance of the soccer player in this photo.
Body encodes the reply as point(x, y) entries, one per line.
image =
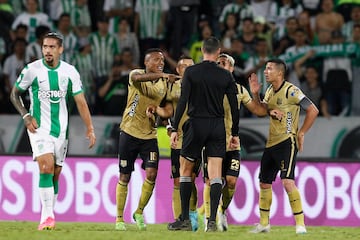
point(51, 82)
point(203, 94)
point(138, 133)
point(172, 98)
point(282, 101)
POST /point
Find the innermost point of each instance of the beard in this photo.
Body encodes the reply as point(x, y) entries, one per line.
point(49, 60)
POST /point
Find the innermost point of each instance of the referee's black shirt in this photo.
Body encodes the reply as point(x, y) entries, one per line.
point(203, 88)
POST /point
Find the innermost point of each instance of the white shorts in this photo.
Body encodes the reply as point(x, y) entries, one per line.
point(44, 143)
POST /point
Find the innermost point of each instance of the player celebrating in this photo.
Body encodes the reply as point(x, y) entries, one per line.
point(50, 81)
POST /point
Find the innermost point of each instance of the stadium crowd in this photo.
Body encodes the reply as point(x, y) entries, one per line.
point(105, 40)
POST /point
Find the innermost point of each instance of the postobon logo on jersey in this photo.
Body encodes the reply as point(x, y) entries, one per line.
point(288, 122)
point(53, 95)
point(134, 105)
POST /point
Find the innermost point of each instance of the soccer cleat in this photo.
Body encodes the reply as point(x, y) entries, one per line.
point(182, 225)
point(120, 226)
point(260, 228)
point(194, 220)
point(139, 219)
point(222, 224)
point(300, 229)
point(48, 224)
point(211, 226)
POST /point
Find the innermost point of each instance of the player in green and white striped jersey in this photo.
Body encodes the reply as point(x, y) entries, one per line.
point(32, 18)
point(83, 63)
point(70, 40)
point(51, 82)
point(149, 23)
point(103, 48)
point(80, 16)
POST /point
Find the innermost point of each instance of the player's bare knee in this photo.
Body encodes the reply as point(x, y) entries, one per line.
point(288, 184)
point(151, 175)
point(265, 185)
point(125, 178)
point(231, 185)
point(231, 182)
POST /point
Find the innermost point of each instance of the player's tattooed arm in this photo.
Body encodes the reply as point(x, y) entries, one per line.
point(29, 121)
point(15, 98)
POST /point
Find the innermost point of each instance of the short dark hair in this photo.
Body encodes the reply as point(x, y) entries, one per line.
point(184, 57)
point(64, 14)
point(211, 45)
point(280, 64)
point(22, 26)
point(19, 41)
point(41, 31)
point(152, 50)
point(260, 40)
point(55, 35)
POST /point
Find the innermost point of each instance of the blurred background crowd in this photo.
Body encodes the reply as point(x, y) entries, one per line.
point(106, 39)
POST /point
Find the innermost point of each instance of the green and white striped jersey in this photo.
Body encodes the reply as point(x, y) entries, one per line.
point(103, 50)
point(83, 63)
point(49, 91)
point(80, 16)
point(70, 44)
point(32, 21)
point(150, 12)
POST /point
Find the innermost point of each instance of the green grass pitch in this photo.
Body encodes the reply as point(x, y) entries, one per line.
point(105, 231)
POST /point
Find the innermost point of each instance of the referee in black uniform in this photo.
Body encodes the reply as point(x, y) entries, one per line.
point(204, 86)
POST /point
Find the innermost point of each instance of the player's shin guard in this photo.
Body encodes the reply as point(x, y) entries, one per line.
point(146, 192)
point(296, 207)
point(56, 190)
point(176, 205)
point(185, 194)
point(46, 189)
point(215, 194)
point(265, 200)
point(227, 195)
point(206, 196)
point(193, 198)
point(121, 194)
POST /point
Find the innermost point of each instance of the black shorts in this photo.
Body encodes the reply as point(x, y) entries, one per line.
point(230, 164)
point(281, 157)
point(175, 164)
point(203, 132)
point(129, 149)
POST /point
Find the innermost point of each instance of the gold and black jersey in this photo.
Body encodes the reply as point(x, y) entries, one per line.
point(173, 95)
point(243, 96)
point(287, 100)
point(140, 94)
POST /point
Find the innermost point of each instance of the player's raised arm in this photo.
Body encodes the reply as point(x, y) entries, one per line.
point(255, 86)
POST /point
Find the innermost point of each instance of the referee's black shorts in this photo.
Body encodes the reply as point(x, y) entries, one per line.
point(203, 132)
point(175, 164)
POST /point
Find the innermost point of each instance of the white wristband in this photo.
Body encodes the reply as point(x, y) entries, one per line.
point(25, 115)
